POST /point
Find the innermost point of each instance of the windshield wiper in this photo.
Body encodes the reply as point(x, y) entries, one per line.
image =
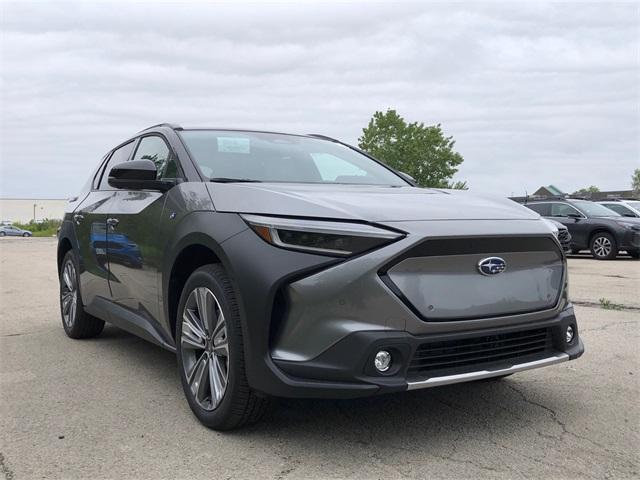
point(233, 180)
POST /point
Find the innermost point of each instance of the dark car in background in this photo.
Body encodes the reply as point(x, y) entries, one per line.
point(593, 226)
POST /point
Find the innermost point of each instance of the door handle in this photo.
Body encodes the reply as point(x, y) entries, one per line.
point(113, 222)
point(78, 218)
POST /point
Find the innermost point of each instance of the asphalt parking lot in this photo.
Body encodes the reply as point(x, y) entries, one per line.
point(113, 407)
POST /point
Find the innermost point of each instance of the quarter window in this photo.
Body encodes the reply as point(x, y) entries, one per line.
point(119, 155)
point(154, 148)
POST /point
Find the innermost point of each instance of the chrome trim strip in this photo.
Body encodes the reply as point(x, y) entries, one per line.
point(480, 374)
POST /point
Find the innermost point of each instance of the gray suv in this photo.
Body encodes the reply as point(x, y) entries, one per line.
point(279, 265)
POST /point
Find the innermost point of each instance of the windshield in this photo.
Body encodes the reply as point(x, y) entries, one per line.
point(270, 157)
point(591, 209)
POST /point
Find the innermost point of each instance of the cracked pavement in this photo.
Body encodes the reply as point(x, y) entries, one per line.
point(112, 407)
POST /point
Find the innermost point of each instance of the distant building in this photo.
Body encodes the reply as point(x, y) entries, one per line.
point(620, 194)
point(551, 191)
point(24, 210)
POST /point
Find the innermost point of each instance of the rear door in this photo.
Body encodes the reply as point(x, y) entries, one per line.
point(135, 240)
point(90, 223)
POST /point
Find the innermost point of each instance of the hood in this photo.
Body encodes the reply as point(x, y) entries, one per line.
point(363, 202)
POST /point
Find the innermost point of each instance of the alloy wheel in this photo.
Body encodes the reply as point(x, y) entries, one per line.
point(204, 348)
point(602, 246)
point(69, 293)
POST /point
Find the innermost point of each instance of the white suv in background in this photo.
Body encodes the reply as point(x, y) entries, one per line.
point(626, 208)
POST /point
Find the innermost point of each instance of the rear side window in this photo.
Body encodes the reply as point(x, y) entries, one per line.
point(154, 148)
point(543, 209)
point(119, 155)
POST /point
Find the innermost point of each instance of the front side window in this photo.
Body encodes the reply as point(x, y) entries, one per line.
point(154, 148)
point(270, 157)
point(119, 155)
point(563, 210)
point(618, 208)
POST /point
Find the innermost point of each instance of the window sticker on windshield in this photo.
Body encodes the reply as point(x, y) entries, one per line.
point(234, 145)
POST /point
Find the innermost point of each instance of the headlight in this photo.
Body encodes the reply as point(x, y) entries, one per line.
point(552, 226)
point(630, 226)
point(323, 237)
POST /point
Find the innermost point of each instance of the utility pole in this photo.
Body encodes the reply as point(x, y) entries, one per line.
point(34, 212)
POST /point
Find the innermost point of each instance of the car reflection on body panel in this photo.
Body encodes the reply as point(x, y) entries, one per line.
point(116, 247)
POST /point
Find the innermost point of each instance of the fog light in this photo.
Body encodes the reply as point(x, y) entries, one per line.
point(382, 361)
point(569, 334)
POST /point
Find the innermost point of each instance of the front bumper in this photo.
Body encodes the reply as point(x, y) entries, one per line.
point(629, 240)
point(350, 362)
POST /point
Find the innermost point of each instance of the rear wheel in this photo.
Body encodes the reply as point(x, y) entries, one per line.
point(2, 234)
point(603, 246)
point(25, 234)
point(211, 353)
point(76, 322)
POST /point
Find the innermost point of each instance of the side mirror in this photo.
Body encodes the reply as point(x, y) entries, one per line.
point(574, 216)
point(137, 175)
point(629, 214)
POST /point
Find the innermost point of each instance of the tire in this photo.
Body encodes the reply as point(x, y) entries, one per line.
point(2, 234)
point(219, 403)
point(634, 254)
point(76, 322)
point(603, 246)
point(26, 234)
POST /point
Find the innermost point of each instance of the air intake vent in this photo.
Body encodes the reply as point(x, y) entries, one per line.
point(471, 354)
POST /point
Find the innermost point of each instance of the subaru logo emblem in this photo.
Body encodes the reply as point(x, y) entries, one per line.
point(492, 266)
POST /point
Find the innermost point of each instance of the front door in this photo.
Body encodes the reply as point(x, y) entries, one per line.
point(135, 240)
point(90, 222)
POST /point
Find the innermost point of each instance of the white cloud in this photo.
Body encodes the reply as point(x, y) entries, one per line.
point(534, 93)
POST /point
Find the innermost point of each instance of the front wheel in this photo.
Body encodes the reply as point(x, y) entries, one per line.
point(76, 322)
point(604, 246)
point(25, 234)
point(211, 355)
point(2, 234)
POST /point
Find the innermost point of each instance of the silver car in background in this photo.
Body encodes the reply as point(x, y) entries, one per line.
point(11, 231)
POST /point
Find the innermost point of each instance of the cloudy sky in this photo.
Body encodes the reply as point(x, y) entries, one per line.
point(533, 93)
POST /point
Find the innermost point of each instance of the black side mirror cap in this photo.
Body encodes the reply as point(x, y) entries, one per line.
point(138, 175)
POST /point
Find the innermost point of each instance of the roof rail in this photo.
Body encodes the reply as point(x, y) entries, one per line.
point(172, 126)
point(324, 137)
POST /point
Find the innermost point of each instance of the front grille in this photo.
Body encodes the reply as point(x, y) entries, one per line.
point(564, 238)
point(459, 356)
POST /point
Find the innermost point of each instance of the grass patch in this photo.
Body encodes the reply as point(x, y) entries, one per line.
point(609, 305)
point(43, 228)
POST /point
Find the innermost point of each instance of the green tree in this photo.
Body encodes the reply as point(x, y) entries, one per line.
point(635, 180)
point(587, 190)
point(423, 152)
